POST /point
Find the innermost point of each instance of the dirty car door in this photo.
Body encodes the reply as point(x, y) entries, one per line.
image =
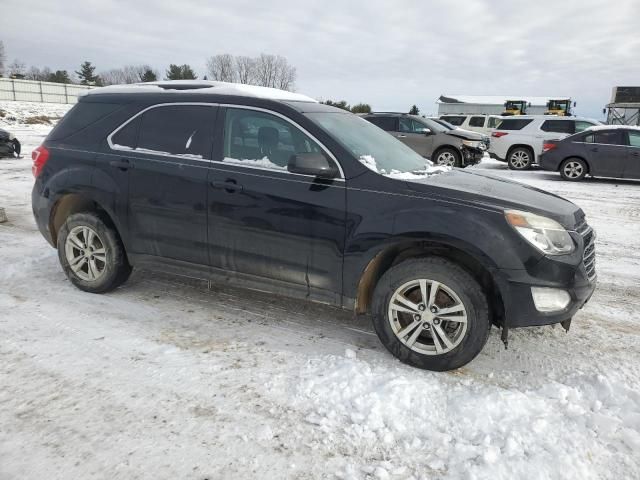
point(267, 223)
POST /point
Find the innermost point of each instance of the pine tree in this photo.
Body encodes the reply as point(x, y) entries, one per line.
point(148, 76)
point(361, 108)
point(414, 110)
point(86, 75)
point(180, 72)
point(60, 76)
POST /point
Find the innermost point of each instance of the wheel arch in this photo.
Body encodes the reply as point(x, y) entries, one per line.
point(579, 157)
point(522, 145)
point(450, 250)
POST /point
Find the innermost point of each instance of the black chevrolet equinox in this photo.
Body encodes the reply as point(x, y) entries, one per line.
point(274, 191)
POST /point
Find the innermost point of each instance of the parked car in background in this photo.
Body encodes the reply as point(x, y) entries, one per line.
point(477, 123)
point(9, 145)
point(274, 191)
point(448, 126)
point(518, 140)
point(603, 151)
point(441, 144)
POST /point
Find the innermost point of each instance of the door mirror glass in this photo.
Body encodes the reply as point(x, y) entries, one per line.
point(313, 163)
point(426, 131)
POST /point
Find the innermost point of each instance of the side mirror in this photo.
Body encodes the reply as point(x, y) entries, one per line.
point(426, 131)
point(315, 164)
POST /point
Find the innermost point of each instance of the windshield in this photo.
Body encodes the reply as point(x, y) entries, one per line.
point(375, 148)
point(444, 123)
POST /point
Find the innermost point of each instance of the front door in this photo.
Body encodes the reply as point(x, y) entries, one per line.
point(267, 224)
point(168, 163)
point(412, 134)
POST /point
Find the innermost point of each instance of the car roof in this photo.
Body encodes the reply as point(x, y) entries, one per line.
point(614, 127)
point(546, 117)
point(196, 87)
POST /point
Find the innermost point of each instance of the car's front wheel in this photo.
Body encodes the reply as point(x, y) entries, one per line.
point(520, 159)
point(431, 313)
point(573, 169)
point(449, 157)
point(91, 253)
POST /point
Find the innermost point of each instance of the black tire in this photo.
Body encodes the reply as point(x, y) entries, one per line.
point(573, 169)
point(455, 278)
point(520, 158)
point(448, 152)
point(115, 268)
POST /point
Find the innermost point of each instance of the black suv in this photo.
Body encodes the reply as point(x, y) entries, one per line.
point(274, 191)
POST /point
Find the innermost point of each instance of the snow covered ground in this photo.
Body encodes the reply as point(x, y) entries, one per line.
point(164, 378)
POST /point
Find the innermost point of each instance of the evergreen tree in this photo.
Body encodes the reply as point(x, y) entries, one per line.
point(148, 76)
point(87, 75)
point(341, 104)
point(180, 72)
point(361, 108)
point(60, 76)
point(414, 110)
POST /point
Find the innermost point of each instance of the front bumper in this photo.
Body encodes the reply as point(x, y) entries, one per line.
point(496, 157)
point(472, 156)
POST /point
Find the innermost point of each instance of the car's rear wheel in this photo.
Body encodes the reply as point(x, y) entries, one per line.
point(520, 159)
point(449, 157)
point(91, 253)
point(431, 313)
point(573, 169)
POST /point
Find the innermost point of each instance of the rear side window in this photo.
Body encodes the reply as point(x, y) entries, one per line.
point(606, 137)
point(80, 116)
point(634, 138)
point(476, 122)
point(127, 136)
point(581, 125)
point(558, 126)
point(389, 124)
point(454, 119)
point(515, 123)
point(185, 130)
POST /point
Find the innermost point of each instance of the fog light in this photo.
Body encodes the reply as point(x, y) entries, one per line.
point(550, 299)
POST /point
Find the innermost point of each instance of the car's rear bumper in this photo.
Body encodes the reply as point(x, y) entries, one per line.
point(41, 207)
point(548, 161)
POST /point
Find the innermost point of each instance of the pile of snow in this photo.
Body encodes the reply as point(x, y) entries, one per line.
point(429, 169)
point(263, 162)
point(18, 113)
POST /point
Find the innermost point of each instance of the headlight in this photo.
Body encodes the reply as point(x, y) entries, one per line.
point(545, 234)
point(474, 144)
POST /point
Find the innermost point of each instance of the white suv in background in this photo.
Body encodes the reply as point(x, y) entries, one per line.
point(519, 140)
point(476, 123)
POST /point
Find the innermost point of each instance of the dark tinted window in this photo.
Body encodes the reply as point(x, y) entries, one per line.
point(558, 126)
point(514, 123)
point(390, 124)
point(476, 122)
point(127, 136)
point(607, 137)
point(454, 119)
point(177, 130)
point(80, 116)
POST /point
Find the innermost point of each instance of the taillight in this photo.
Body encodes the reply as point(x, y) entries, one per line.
point(548, 146)
point(39, 156)
point(498, 134)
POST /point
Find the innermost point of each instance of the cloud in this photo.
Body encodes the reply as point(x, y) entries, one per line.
point(390, 54)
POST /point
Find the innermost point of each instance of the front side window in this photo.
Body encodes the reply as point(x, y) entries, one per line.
point(494, 122)
point(180, 130)
point(388, 124)
point(259, 139)
point(454, 119)
point(558, 126)
point(605, 137)
point(476, 122)
point(411, 126)
point(581, 125)
point(634, 138)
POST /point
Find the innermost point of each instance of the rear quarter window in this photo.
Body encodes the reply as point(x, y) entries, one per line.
point(81, 116)
point(476, 122)
point(515, 123)
point(558, 126)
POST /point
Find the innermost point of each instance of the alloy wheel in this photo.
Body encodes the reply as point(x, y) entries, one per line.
point(86, 253)
point(520, 159)
point(427, 316)
point(447, 158)
point(573, 169)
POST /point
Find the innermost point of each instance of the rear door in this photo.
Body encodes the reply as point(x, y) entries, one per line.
point(167, 169)
point(606, 152)
point(632, 165)
point(266, 223)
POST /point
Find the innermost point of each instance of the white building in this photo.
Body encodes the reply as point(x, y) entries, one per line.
point(489, 104)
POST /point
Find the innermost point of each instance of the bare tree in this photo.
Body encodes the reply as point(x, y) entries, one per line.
point(2, 58)
point(127, 74)
point(35, 73)
point(274, 71)
point(245, 69)
point(221, 67)
point(17, 69)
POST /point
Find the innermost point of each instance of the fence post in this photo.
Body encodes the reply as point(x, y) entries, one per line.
point(41, 95)
point(13, 89)
point(66, 96)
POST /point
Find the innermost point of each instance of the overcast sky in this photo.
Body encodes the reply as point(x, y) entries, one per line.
point(390, 54)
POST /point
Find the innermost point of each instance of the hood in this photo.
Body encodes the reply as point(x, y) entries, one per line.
point(465, 134)
point(480, 189)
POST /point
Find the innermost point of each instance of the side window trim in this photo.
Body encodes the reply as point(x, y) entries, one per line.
point(291, 122)
point(118, 148)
